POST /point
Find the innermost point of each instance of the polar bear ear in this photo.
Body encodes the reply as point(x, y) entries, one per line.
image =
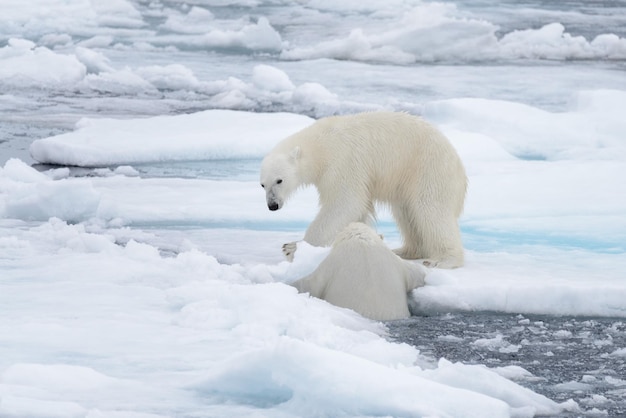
point(295, 153)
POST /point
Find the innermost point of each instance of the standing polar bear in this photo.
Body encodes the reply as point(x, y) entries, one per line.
point(362, 274)
point(358, 160)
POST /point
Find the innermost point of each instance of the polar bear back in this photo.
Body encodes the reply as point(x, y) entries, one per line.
point(381, 149)
point(362, 274)
point(367, 281)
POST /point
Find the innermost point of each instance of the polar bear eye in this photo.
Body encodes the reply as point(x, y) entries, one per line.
point(263, 185)
point(279, 181)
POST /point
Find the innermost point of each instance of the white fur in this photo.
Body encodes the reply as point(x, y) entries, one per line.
point(362, 274)
point(358, 160)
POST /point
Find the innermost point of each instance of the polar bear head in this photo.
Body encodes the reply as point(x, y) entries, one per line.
point(279, 177)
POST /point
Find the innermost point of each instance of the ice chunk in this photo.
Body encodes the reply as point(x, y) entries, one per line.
point(35, 196)
point(22, 64)
point(213, 134)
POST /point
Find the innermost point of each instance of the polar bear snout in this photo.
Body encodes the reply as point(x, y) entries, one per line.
point(273, 202)
point(273, 206)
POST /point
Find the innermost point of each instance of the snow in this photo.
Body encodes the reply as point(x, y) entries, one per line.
point(592, 128)
point(275, 375)
point(435, 32)
point(217, 135)
point(117, 311)
point(269, 336)
point(143, 278)
point(22, 61)
point(257, 36)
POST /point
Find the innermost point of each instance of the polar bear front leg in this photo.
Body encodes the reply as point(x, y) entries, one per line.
point(331, 219)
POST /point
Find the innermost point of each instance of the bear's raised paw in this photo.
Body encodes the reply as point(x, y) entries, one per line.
point(289, 250)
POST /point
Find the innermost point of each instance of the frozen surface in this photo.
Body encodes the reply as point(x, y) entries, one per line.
point(141, 273)
point(217, 135)
point(198, 262)
point(512, 200)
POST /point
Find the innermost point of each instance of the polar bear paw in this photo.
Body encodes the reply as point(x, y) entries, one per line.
point(289, 250)
point(429, 263)
point(446, 263)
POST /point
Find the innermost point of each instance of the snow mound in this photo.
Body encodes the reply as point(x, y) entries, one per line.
point(28, 195)
point(284, 376)
point(592, 129)
point(22, 62)
point(208, 135)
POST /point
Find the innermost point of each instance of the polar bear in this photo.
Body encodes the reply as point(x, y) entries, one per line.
point(358, 160)
point(362, 274)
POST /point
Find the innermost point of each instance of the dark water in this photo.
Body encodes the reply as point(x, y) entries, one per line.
point(569, 358)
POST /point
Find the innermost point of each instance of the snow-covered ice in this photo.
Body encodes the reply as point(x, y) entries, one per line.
point(141, 273)
point(83, 232)
point(209, 135)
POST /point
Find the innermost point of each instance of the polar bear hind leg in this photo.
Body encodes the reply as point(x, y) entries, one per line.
point(430, 234)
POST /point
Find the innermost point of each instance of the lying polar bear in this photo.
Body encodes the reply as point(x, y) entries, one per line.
point(362, 274)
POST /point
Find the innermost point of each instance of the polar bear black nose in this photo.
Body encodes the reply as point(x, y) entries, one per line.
point(272, 206)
